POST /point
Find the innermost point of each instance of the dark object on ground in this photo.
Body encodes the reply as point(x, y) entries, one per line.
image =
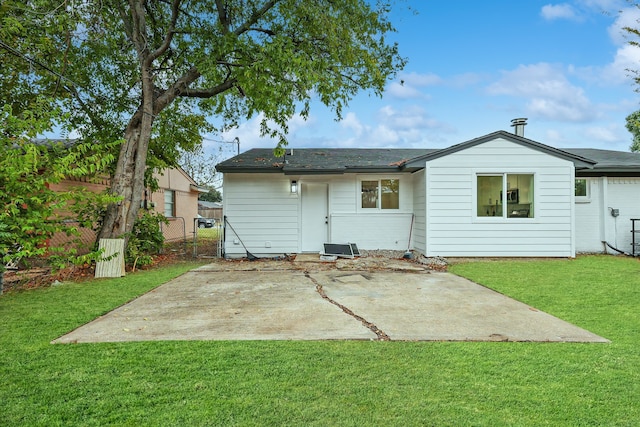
point(205, 222)
point(348, 250)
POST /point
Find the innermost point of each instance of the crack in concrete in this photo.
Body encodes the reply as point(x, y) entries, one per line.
point(382, 336)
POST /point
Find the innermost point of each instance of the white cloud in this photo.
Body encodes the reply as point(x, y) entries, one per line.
point(408, 87)
point(421, 80)
point(553, 137)
point(603, 134)
point(547, 92)
point(393, 127)
point(249, 134)
point(384, 136)
point(627, 17)
point(627, 58)
point(412, 117)
point(558, 11)
point(603, 5)
point(350, 121)
point(404, 91)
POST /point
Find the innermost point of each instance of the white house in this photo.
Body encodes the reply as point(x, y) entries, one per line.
point(497, 195)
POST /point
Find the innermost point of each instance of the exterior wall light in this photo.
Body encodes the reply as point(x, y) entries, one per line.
point(294, 187)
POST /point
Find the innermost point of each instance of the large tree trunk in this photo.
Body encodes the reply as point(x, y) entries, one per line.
point(128, 180)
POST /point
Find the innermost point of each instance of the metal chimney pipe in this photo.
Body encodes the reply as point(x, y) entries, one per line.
point(519, 124)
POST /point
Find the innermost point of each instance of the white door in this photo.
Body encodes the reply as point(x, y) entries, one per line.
point(314, 216)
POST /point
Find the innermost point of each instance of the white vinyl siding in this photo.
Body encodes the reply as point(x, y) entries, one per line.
point(594, 222)
point(264, 213)
point(589, 216)
point(262, 210)
point(453, 228)
point(420, 212)
point(370, 232)
point(370, 229)
point(342, 194)
point(624, 195)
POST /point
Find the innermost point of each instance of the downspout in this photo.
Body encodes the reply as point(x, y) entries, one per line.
point(427, 220)
point(604, 212)
point(573, 213)
point(223, 249)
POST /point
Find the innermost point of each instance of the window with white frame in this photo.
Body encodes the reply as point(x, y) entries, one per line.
point(582, 190)
point(505, 195)
point(169, 203)
point(380, 194)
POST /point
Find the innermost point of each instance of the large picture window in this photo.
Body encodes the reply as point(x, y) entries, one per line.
point(380, 194)
point(505, 195)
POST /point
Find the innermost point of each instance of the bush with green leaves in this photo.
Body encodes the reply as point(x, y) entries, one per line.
point(31, 212)
point(146, 239)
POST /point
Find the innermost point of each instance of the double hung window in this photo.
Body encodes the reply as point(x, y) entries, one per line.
point(169, 203)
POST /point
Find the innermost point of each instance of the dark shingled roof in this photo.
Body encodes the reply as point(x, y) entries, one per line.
point(608, 160)
point(321, 160)
point(306, 161)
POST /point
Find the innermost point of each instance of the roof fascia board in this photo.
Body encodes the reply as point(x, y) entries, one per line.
point(580, 162)
point(247, 169)
point(306, 171)
point(618, 173)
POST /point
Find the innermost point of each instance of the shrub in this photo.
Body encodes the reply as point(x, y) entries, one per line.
point(146, 239)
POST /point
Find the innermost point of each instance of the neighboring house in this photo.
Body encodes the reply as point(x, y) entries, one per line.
point(210, 210)
point(176, 198)
point(493, 196)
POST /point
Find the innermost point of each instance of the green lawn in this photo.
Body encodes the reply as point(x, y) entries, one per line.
point(331, 383)
point(209, 233)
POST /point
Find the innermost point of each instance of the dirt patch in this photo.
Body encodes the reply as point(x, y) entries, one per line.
point(44, 276)
point(379, 260)
point(37, 277)
point(370, 260)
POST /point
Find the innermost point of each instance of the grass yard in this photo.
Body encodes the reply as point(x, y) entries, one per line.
point(209, 233)
point(331, 383)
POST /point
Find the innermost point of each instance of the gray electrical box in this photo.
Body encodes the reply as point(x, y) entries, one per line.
point(615, 212)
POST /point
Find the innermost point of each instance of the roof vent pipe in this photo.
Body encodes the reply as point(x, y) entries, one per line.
point(519, 124)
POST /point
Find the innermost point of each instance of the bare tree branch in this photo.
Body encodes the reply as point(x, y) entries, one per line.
point(176, 89)
point(209, 92)
point(264, 30)
point(175, 11)
point(222, 16)
point(255, 16)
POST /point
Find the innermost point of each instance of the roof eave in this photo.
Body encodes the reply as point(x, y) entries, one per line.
point(578, 161)
point(248, 169)
point(610, 171)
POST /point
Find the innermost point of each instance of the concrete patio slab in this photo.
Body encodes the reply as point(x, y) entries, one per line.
point(325, 305)
point(444, 307)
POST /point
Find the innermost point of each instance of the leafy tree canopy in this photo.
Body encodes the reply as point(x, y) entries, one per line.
point(633, 126)
point(212, 196)
point(31, 212)
point(151, 72)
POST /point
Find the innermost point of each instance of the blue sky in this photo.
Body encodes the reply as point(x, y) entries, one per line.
point(475, 65)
